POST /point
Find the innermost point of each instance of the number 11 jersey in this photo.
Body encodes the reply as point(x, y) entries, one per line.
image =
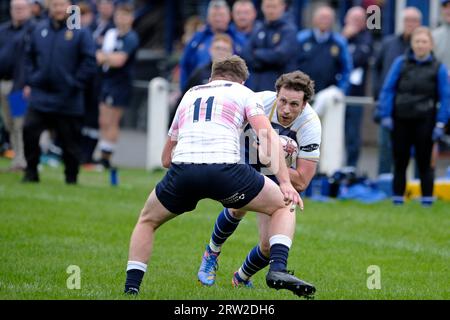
point(209, 121)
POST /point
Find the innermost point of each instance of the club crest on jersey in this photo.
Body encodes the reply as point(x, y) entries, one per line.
point(307, 46)
point(276, 38)
point(68, 35)
point(334, 50)
point(261, 35)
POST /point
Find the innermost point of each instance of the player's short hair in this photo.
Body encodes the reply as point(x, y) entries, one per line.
point(223, 37)
point(232, 68)
point(125, 7)
point(298, 81)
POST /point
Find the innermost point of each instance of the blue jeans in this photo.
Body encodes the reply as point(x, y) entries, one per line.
point(353, 119)
point(385, 151)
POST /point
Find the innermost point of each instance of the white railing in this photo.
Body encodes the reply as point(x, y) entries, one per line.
point(157, 119)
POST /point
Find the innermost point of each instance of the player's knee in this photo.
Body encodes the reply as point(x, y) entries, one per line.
point(148, 218)
point(237, 213)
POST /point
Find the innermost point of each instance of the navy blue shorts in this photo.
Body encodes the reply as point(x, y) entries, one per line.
point(117, 96)
point(272, 177)
point(234, 185)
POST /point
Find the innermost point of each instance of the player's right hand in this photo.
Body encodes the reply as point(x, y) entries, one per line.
point(291, 196)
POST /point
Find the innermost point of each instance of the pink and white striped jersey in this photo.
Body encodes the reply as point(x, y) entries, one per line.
point(209, 120)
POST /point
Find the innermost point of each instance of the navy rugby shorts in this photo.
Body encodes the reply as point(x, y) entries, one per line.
point(117, 96)
point(234, 185)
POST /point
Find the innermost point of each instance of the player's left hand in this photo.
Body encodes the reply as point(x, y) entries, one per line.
point(291, 196)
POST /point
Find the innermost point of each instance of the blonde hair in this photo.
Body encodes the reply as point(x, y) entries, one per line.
point(422, 30)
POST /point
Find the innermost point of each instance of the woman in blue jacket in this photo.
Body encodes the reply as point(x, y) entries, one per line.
point(409, 99)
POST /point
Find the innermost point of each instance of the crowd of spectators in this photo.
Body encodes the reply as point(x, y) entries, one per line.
point(97, 76)
point(71, 80)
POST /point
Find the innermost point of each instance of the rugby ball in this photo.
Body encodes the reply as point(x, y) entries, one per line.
point(290, 148)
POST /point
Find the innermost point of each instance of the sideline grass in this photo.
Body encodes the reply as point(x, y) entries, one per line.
point(46, 227)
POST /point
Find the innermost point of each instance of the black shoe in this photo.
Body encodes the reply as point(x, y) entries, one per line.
point(30, 178)
point(131, 291)
point(71, 180)
point(286, 280)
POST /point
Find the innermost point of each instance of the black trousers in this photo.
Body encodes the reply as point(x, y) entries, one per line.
point(68, 131)
point(417, 133)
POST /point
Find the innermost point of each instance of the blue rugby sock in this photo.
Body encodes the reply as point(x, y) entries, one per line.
point(254, 262)
point(133, 282)
point(135, 273)
point(278, 257)
point(224, 227)
point(279, 252)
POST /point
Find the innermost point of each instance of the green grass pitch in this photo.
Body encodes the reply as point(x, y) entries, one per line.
point(46, 227)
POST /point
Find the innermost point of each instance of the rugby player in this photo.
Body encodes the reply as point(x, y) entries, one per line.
point(204, 138)
point(291, 115)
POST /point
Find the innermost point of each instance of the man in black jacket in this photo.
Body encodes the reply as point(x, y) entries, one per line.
point(60, 60)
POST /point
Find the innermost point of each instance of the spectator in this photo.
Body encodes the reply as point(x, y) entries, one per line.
point(13, 35)
point(442, 36)
point(391, 48)
point(244, 17)
point(87, 16)
point(104, 21)
point(38, 9)
point(59, 62)
point(90, 129)
point(269, 51)
point(196, 52)
point(221, 48)
point(117, 58)
point(193, 24)
point(323, 54)
point(414, 85)
point(360, 47)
